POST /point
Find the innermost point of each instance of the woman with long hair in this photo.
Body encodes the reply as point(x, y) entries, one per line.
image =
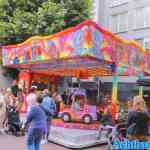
point(138, 121)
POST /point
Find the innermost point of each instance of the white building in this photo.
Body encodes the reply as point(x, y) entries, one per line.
point(129, 19)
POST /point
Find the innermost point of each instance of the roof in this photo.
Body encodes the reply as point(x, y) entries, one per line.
point(86, 41)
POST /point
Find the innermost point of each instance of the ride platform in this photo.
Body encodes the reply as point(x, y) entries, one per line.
point(77, 125)
point(73, 136)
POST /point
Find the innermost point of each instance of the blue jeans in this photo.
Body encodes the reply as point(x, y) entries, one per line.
point(48, 128)
point(34, 138)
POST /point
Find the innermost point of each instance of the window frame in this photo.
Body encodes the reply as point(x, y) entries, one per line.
point(118, 22)
point(113, 4)
point(144, 25)
point(126, 29)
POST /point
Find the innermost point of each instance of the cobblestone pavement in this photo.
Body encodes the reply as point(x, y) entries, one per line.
point(8, 142)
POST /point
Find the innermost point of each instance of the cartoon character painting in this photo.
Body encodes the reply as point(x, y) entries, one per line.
point(27, 49)
point(119, 52)
point(77, 38)
point(147, 61)
point(97, 44)
point(136, 59)
point(15, 59)
point(50, 49)
point(21, 55)
point(67, 48)
point(5, 57)
point(24, 56)
point(35, 52)
point(106, 48)
point(87, 41)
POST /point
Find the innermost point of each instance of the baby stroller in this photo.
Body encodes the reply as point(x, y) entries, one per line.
point(13, 123)
point(118, 134)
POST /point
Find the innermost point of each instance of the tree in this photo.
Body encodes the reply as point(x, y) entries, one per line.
point(21, 19)
point(77, 11)
point(50, 18)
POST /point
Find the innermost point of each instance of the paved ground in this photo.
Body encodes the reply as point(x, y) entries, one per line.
point(18, 143)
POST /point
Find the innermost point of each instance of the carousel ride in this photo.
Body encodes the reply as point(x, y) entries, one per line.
point(82, 51)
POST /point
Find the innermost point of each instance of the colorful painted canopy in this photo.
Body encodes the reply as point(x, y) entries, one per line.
point(83, 46)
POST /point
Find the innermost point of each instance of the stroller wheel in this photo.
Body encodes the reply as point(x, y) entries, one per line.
point(12, 129)
point(23, 133)
point(15, 134)
point(6, 126)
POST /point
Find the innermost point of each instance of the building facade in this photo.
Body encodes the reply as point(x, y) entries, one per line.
point(127, 18)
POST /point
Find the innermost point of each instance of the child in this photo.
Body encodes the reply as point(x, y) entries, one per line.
point(106, 121)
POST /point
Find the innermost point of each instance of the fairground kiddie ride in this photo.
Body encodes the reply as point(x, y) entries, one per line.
point(82, 51)
point(80, 110)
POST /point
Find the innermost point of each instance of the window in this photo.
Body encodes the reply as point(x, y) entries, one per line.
point(114, 23)
point(147, 16)
point(119, 22)
point(114, 3)
point(123, 22)
point(140, 41)
point(144, 42)
point(142, 17)
point(147, 44)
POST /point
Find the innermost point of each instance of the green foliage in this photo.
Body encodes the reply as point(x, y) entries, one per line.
point(77, 11)
point(50, 18)
point(11, 73)
point(21, 19)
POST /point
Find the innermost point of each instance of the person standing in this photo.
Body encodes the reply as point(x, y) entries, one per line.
point(49, 108)
point(2, 112)
point(37, 122)
point(14, 88)
point(22, 106)
point(106, 121)
point(10, 99)
point(138, 121)
point(130, 104)
point(31, 98)
point(64, 97)
point(57, 98)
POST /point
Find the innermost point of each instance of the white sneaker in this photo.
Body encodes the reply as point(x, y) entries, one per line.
point(43, 141)
point(2, 131)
